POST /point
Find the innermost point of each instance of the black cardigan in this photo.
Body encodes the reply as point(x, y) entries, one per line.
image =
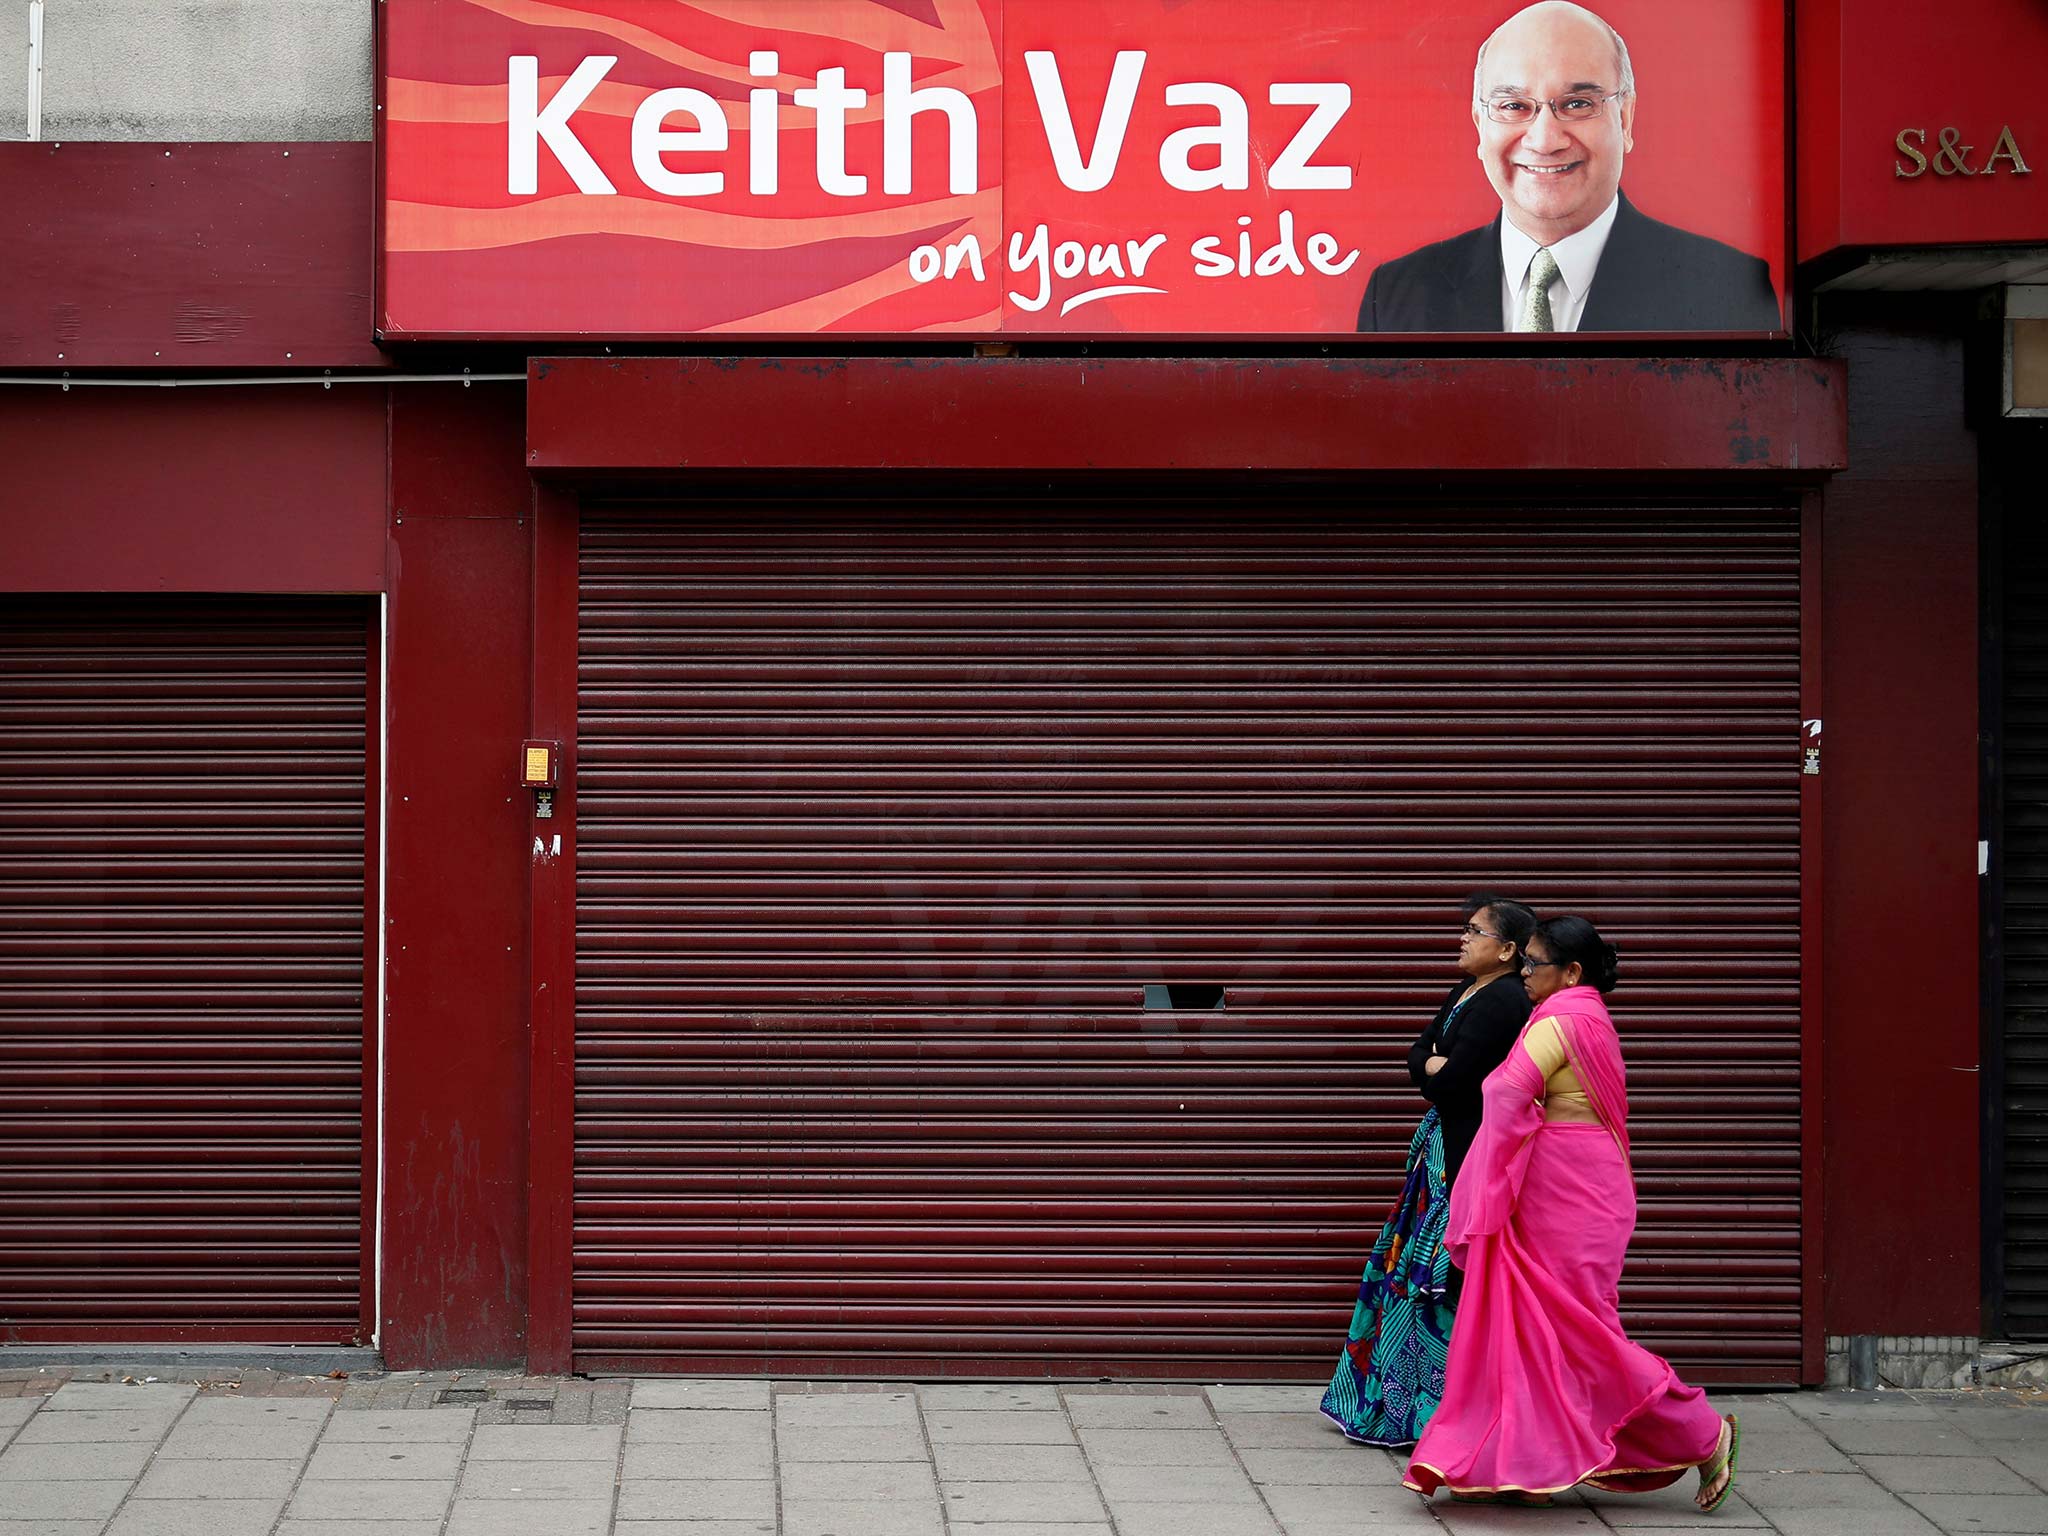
point(1485, 1031)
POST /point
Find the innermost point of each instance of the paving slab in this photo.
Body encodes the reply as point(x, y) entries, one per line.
point(1898, 1437)
point(1894, 1520)
point(1022, 1501)
point(699, 1426)
point(881, 1442)
point(700, 1462)
point(1669, 1506)
point(821, 1480)
point(69, 1463)
point(517, 1517)
point(1300, 1431)
point(1815, 1490)
point(1787, 1443)
point(258, 1410)
point(1303, 1505)
point(999, 1427)
point(371, 1501)
point(66, 1501)
point(12, 1527)
point(545, 1442)
point(831, 1517)
point(1157, 1448)
point(94, 1427)
point(1945, 1474)
point(360, 1528)
point(1096, 1410)
point(284, 1440)
point(196, 1517)
point(1288, 1399)
point(221, 1479)
point(1996, 1416)
point(1838, 1406)
point(708, 1499)
point(2030, 1460)
point(1009, 1463)
point(844, 1410)
point(1463, 1519)
point(1194, 1520)
point(377, 1463)
point(80, 1395)
point(625, 1527)
point(1177, 1485)
point(702, 1394)
point(1027, 1528)
point(968, 1396)
point(546, 1480)
point(2026, 1513)
point(1348, 1465)
point(384, 1427)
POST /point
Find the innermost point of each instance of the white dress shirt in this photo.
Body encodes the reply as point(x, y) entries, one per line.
point(1577, 257)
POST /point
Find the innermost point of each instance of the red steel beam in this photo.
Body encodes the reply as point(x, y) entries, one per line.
point(1482, 416)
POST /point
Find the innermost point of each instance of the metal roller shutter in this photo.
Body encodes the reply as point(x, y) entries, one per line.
point(887, 822)
point(2024, 1170)
point(182, 815)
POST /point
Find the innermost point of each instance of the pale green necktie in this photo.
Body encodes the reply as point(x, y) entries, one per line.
point(1536, 303)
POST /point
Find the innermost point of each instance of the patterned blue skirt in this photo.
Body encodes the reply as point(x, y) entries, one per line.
point(1391, 1375)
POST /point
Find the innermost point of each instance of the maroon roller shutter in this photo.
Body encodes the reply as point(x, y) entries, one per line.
point(886, 823)
point(182, 815)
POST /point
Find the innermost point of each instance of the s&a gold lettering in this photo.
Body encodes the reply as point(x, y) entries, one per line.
point(1952, 158)
point(1919, 160)
point(2007, 148)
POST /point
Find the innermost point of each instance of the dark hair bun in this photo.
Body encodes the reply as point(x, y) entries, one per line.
point(1603, 967)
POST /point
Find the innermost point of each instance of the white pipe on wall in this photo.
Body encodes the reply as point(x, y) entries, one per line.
point(35, 70)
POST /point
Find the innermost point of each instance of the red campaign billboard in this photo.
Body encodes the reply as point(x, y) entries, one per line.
point(659, 169)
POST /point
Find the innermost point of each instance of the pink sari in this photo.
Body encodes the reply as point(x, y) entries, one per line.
point(1544, 1390)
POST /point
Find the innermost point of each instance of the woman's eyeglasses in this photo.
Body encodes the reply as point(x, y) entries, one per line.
point(1474, 931)
point(1531, 963)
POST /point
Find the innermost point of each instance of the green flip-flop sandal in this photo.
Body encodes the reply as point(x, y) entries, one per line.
point(1734, 1423)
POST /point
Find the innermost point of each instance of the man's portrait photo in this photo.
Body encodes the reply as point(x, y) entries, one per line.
point(1554, 105)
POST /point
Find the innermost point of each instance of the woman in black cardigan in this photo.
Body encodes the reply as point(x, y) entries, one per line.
point(1477, 1026)
point(1391, 1375)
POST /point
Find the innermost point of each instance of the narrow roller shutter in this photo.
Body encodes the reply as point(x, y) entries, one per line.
point(181, 969)
point(886, 827)
point(2025, 849)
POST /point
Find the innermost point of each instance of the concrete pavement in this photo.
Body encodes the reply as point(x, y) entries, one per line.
point(91, 1454)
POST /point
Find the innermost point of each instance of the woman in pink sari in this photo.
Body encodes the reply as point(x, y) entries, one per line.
point(1544, 1389)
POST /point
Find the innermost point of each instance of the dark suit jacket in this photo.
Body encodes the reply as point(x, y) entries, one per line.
point(1652, 277)
point(1476, 1042)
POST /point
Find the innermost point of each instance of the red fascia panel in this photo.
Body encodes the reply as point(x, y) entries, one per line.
point(164, 256)
point(1482, 416)
point(193, 490)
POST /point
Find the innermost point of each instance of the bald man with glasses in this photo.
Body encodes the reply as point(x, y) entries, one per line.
point(1554, 102)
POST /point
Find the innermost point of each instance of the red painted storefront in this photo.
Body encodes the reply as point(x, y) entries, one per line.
point(448, 511)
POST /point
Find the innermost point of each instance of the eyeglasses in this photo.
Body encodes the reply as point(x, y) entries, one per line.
point(1577, 107)
point(1530, 963)
point(1474, 931)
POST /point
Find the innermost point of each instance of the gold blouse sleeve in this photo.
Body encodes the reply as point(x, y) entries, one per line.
point(1545, 1047)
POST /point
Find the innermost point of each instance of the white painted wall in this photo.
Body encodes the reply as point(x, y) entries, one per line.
point(192, 69)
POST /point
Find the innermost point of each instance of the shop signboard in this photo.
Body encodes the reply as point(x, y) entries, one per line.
point(644, 170)
point(1922, 124)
